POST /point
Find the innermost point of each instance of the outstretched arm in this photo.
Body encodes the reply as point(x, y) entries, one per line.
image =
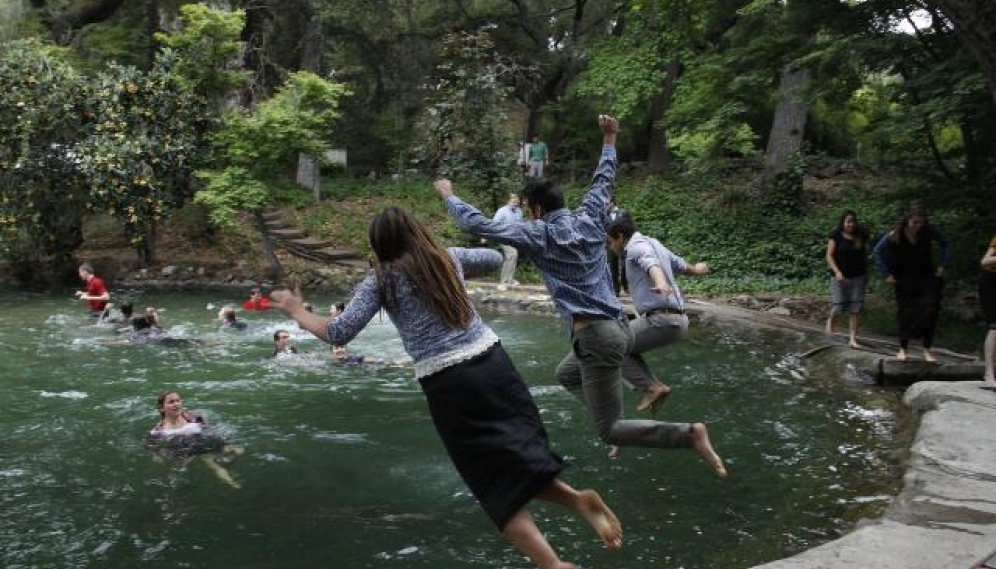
point(345, 326)
point(292, 304)
point(596, 201)
point(469, 218)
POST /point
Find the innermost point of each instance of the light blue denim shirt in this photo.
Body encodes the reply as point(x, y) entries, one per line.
point(567, 246)
point(428, 340)
point(642, 253)
point(508, 214)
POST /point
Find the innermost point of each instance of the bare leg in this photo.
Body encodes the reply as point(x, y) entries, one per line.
point(589, 505)
point(220, 471)
point(855, 320)
point(702, 445)
point(522, 532)
point(829, 326)
point(989, 352)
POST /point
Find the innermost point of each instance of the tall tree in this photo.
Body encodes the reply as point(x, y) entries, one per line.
point(43, 194)
point(975, 22)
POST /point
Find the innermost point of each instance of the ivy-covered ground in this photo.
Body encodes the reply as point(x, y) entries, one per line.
point(769, 247)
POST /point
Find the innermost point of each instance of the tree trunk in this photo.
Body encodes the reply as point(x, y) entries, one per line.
point(79, 14)
point(274, 269)
point(308, 170)
point(975, 24)
point(659, 157)
point(788, 126)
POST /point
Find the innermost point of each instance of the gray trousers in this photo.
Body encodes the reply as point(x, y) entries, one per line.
point(592, 372)
point(649, 332)
point(508, 265)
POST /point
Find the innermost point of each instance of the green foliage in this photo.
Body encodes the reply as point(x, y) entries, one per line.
point(754, 245)
point(467, 134)
point(42, 191)
point(205, 49)
point(141, 147)
point(258, 149)
point(632, 60)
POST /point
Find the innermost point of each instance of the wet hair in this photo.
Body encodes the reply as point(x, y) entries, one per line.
point(229, 314)
point(404, 247)
point(276, 335)
point(624, 226)
point(340, 306)
point(545, 194)
point(141, 323)
point(126, 309)
point(161, 401)
point(86, 267)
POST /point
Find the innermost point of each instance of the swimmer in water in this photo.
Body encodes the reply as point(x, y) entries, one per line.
point(229, 320)
point(180, 433)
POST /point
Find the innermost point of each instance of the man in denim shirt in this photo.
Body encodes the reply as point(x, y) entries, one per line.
point(569, 249)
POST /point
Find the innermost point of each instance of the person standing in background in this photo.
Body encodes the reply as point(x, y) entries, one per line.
point(539, 157)
point(847, 255)
point(906, 260)
point(509, 213)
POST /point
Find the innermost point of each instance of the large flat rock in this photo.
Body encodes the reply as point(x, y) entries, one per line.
point(945, 516)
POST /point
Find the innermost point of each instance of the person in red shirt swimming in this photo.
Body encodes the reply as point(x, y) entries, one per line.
point(96, 293)
point(256, 301)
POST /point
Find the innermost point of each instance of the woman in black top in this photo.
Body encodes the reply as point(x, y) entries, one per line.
point(847, 255)
point(905, 256)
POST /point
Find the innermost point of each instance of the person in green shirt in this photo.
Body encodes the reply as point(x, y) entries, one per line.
point(539, 157)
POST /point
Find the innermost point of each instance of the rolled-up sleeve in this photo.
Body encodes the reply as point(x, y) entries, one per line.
point(644, 256)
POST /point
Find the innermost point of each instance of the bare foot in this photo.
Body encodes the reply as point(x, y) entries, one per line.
point(600, 517)
point(927, 356)
point(654, 397)
point(854, 344)
point(901, 355)
point(702, 445)
point(615, 451)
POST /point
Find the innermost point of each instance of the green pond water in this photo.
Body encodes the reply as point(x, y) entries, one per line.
point(343, 469)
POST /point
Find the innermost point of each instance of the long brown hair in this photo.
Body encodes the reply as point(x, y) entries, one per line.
point(402, 243)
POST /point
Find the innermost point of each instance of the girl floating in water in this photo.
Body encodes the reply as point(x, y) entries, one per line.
point(182, 434)
point(479, 403)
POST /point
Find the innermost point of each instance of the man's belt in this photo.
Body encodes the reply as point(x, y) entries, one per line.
point(664, 310)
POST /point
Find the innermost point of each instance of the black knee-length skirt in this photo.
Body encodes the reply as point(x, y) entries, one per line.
point(492, 431)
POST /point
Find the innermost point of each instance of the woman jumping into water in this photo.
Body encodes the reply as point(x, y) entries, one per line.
point(479, 403)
